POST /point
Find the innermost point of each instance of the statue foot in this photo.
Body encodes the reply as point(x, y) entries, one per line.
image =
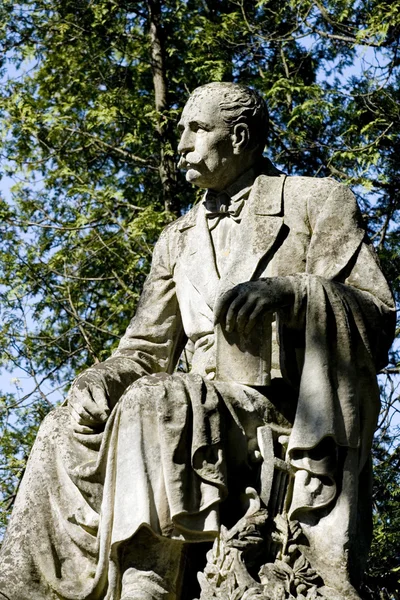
point(148, 585)
point(150, 567)
point(142, 596)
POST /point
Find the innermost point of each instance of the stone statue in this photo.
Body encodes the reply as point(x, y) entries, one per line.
point(263, 446)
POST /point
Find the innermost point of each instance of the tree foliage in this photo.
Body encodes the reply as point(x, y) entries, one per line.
point(91, 92)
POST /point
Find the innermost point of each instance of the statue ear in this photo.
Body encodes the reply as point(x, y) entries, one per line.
point(240, 137)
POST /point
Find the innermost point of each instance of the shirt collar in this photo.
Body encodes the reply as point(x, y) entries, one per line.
point(242, 186)
point(238, 190)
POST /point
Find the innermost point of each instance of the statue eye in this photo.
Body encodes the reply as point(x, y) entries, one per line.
point(195, 127)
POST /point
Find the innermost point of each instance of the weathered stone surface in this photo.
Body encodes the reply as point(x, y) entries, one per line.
point(268, 463)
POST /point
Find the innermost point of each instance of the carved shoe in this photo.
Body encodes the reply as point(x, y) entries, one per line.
point(150, 567)
point(144, 585)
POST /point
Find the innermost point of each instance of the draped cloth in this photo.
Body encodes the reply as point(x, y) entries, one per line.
point(165, 457)
point(162, 461)
point(333, 364)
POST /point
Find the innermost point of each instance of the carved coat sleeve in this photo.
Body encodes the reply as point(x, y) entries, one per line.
point(154, 338)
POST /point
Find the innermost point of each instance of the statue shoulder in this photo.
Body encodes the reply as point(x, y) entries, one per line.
point(311, 186)
point(316, 194)
point(331, 213)
point(170, 241)
point(184, 222)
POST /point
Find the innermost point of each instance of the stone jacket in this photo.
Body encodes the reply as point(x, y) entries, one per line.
point(296, 226)
point(306, 228)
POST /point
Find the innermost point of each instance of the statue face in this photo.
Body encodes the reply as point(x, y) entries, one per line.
point(206, 144)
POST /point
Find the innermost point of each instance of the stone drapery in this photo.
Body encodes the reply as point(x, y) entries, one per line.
point(165, 456)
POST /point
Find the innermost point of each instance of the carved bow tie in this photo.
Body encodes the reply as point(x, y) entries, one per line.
point(220, 205)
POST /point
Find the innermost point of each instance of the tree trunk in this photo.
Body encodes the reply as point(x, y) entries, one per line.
point(167, 168)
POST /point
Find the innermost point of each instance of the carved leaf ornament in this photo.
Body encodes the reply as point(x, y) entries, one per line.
point(227, 577)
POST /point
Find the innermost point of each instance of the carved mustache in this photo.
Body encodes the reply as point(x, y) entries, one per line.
point(192, 159)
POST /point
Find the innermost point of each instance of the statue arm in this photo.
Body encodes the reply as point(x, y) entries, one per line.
point(152, 343)
point(338, 254)
point(341, 257)
point(337, 332)
point(154, 338)
point(370, 289)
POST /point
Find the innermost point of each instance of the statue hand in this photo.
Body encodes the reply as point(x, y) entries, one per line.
point(88, 399)
point(241, 306)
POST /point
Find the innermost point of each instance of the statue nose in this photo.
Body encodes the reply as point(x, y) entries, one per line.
point(186, 143)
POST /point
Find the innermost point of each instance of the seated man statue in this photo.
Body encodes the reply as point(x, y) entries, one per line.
point(272, 286)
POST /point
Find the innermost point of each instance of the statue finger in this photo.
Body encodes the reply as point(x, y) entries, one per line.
point(84, 403)
point(99, 397)
point(253, 316)
point(222, 304)
point(95, 403)
point(231, 315)
point(243, 315)
point(79, 424)
point(79, 414)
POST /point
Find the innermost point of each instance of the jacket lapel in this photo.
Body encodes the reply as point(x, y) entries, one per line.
point(258, 232)
point(256, 241)
point(197, 255)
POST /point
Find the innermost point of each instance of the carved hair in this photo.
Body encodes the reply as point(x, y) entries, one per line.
point(241, 104)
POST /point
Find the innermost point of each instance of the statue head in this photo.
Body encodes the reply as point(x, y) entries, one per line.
point(223, 131)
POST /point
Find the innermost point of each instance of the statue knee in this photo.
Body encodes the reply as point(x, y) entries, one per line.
point(145, 392)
